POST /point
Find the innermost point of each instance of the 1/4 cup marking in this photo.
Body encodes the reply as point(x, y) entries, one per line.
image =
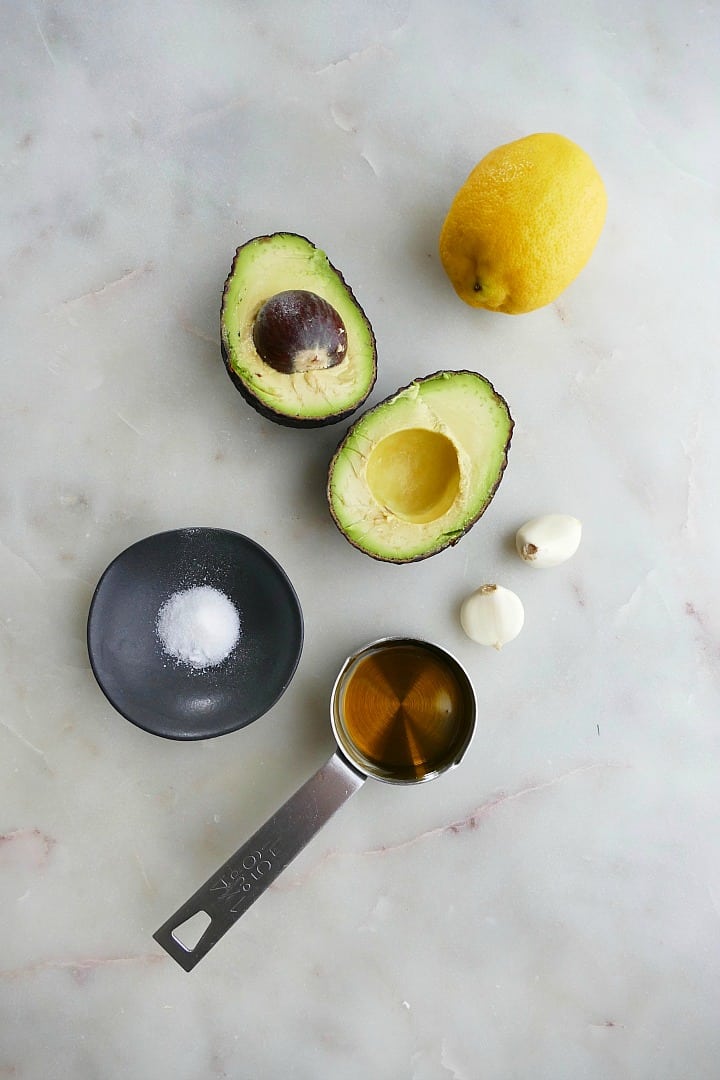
point(234, 884)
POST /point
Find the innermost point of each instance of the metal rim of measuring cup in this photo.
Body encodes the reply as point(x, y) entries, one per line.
point(345, 745)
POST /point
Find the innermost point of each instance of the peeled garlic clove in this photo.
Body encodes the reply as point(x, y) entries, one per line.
point(548, 540)
point(492, 615)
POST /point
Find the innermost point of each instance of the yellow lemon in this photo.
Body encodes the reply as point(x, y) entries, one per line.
point(524, 224)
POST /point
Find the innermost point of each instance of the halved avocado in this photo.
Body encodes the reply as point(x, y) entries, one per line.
point(295, 341)
point(415, 472)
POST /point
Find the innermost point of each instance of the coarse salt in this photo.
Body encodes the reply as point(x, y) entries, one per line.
point(198, 626)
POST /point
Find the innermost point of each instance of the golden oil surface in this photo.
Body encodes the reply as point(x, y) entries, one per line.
point(405, 711)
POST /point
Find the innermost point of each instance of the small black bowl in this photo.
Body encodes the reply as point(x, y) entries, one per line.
point(169, 698)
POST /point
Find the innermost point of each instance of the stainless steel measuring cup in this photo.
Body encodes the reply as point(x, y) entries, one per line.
point(402, 711)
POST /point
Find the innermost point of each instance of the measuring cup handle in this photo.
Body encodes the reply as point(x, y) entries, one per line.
point(244, 877)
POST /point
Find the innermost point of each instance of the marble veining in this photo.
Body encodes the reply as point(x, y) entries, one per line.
point(551, 908)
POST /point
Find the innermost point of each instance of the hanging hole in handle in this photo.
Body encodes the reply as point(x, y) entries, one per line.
point(189, 933)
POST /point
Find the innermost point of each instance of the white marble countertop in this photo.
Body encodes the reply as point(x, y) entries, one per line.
point(551, 909)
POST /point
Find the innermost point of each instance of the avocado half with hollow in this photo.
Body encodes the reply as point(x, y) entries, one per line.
point(295, 341)
point(415, 472)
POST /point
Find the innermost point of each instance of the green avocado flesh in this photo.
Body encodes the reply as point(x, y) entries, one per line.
point(414, 473)
point(284, 298)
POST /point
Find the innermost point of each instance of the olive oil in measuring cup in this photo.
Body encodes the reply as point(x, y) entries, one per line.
point(402, 711)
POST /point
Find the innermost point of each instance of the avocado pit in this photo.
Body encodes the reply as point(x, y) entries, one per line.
point(297, 330)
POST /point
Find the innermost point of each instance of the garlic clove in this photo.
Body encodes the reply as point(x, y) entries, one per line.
point(492, 615)
point(548, 540)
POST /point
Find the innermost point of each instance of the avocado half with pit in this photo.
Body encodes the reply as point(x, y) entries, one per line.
point(415, 472)
point(295, 341)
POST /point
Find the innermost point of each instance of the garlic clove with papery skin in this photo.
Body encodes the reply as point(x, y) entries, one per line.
point(548, 540)
point(492, 615)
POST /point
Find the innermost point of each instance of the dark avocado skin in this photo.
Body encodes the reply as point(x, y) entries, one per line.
point(450, 541)
point(260, 406)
